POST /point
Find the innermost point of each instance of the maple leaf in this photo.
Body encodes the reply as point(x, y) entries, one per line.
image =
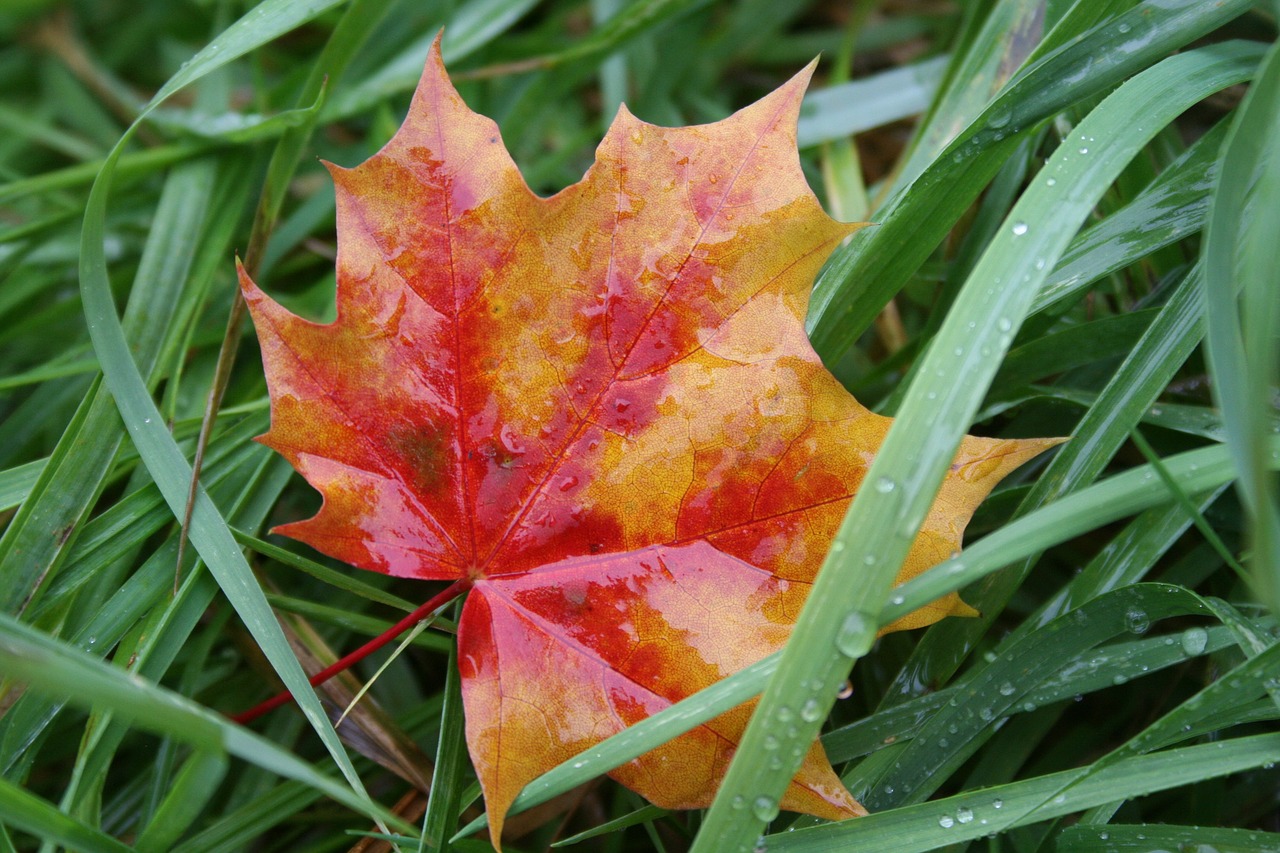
point(601, 411)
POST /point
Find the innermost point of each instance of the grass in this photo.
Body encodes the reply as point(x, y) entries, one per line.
point(1077, 214)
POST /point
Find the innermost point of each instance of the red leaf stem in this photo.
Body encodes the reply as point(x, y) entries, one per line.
point(435, 603)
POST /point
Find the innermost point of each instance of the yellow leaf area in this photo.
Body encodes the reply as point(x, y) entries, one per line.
point(602, 411)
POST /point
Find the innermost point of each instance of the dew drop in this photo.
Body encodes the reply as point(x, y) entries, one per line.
point(764, 808)
point(1123, 28)
point(738, 803)
point(1006, 689)
point(987, 714)
point(1084, 150)
point(770, 743)
point(1194, 640)
point(856, 635)
point(811, 711)
point(964, 815)
point(1004, 324)
point(1000, 118)
point(1019, 228)
point(1136, 620)
point(1051, 182)
point(946, 821)
point(845, 691)
point(785, 714)
point(997, 804)
point(884, 485)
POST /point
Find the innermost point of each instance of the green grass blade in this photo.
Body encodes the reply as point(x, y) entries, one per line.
point(865, 274)
point(17, 482)
point(956, 731)
point(170, 470)
point(24, 810)
point(1113, 838)
point(1104, 428)
point(50, 666)
point(37, 540)
point(1239, 256)
point(840, 617)
point(451, 763)
point(193, 787)
point(974, 814)
point(1171, 207)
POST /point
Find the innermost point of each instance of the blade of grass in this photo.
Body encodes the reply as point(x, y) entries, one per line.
point(971, 716)
point(1239, 256)
point(356, 24)
point(191, 790)
point(36, 543)
point(927, 826)
point(451, 764)
point(862, 276)
point(839, 619)
point(1119, 838)
point(1172, 206)
point(168, 467)
point(24, 810)
point(51, 666)
point(1127, 397)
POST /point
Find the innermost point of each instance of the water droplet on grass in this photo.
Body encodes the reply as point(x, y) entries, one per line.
point(1137, 621)
point(764, 808)
point(1194, 640)
point(856, 635)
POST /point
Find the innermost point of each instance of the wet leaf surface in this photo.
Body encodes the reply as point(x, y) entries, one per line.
point(602, 410)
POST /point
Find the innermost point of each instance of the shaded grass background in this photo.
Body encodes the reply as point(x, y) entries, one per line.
point(1124, 669)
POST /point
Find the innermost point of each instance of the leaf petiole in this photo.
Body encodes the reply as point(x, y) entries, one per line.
point(426, 610)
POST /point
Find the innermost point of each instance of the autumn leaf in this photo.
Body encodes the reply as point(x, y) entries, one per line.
point(601, 411)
